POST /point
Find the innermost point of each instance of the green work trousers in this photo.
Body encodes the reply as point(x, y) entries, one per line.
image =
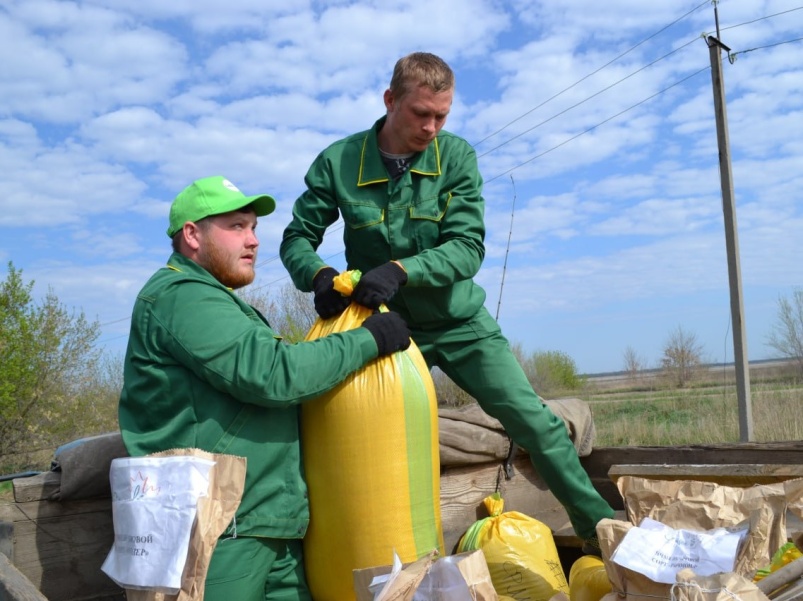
point(477, 357)
point(257, 569)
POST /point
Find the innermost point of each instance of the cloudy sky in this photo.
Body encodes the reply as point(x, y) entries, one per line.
point(594, 124)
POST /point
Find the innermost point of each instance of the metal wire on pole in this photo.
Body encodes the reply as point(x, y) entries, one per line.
point(511, 454)
point(507, 249)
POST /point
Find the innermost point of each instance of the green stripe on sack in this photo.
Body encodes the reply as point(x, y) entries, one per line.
point(470, 540)
point(419, 431)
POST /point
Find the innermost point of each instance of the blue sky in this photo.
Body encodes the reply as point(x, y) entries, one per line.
point(594, 129)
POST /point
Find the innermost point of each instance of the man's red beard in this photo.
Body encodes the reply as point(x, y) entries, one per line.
point(219, 264)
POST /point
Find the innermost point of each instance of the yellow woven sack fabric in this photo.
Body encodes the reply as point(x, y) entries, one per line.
point(370, 449)
point(588, 580)
point(520, 551)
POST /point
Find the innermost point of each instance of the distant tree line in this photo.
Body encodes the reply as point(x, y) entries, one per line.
point(682, 354)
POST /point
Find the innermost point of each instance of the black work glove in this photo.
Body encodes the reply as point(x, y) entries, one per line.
point(389, 330)
point(328, 301)
point(378, 285)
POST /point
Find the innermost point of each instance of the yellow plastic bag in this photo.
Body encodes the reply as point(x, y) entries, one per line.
point(588, 580)
point(370, 449)
point(520, 551)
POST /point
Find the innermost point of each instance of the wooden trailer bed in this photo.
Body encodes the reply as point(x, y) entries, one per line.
point(52, 550)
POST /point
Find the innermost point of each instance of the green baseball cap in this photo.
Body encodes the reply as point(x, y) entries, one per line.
point(213, 196)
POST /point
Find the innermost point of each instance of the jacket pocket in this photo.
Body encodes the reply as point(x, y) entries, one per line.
point(432, 208)
point(426, 216)
point(361, 215)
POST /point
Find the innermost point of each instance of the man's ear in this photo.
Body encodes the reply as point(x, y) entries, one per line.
point(191, 234)
point(389, 100)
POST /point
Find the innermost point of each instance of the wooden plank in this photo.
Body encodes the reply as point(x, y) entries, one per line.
point(793, 592)
point(7, 539)
point(601, 459)
point(14, 586)
point(34, 488)
point(39, 510)
point(781, 577)
point(60, 547)
point(727, 474)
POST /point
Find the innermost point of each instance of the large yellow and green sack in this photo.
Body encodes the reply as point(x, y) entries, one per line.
point(370, 449)
point(521, 553)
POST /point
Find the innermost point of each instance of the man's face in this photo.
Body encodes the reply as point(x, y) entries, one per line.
point(228, 247)
point(414, 120)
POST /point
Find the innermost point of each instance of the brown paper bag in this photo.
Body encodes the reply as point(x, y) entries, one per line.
point(406, 582)
point(214, 514)
point(793, 489)
point(474, 569)
point(436, 579)
point(638, 587)
point(718, 587)
point(697, 505)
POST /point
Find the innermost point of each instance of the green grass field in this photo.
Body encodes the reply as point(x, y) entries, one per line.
point(645, 411)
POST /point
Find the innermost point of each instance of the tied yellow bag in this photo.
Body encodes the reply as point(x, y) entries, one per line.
point(588, 580)
point(370, 449)
point(520, 551)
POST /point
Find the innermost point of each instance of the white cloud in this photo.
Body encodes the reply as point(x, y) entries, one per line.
point(109, 108)
point(66, 63)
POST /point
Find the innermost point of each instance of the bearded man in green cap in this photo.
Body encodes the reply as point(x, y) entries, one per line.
point(205, 370)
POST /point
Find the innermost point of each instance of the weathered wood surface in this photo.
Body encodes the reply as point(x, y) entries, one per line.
point(794, 592)
point(781, 577)
point(14, 586)
point(60, 546)
point(36, 488)
point(598, 463)
point(727, 474)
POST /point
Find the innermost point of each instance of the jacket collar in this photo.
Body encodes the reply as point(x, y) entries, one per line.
point(372, 168)
point(182, 264)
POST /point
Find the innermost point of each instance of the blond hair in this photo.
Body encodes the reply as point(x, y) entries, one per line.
point(420, 69)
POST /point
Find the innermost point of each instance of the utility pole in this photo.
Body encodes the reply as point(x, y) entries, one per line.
point(731, 242)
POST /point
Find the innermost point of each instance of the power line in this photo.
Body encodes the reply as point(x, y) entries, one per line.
point(579, 81)
point(763, 18)
point(734, 54)
point(113, 337)
point(624, 78)
point(593, 127)
point(108, 323)
point(605, 89)
point(284, 277)
point(336, 228)
point(507, 248)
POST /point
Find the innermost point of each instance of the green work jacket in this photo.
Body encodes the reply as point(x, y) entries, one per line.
point(204, 370)
point(430, 220)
